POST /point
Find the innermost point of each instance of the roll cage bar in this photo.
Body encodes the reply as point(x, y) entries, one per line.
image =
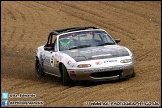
point(57, 32)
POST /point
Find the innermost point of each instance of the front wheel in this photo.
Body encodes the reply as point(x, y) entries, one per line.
point(38, 69)
point(66, 80)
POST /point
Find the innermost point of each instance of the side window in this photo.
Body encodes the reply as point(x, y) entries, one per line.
point(53, 39)
point(55, 45)
point(50, 41)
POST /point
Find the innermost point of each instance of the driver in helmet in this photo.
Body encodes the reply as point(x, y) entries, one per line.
point(64, 43)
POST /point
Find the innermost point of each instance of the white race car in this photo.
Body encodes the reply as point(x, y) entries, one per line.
point(83, 54)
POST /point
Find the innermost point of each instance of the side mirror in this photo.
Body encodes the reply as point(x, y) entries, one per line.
point(48, 48)
point(117, 40)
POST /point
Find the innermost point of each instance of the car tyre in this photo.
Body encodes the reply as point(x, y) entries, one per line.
point(133, 74)
point(38, 69)
point(66, 80)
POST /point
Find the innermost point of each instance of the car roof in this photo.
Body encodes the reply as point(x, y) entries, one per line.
point(66, 30)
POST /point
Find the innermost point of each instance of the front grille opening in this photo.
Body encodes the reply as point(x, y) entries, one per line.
point(106, 73)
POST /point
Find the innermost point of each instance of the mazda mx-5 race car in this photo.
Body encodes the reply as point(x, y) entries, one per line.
point(83, 54)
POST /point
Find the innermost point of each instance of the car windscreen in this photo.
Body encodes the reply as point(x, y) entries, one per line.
point(84, 39)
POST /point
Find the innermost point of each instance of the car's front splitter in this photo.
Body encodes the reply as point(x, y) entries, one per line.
point(101, 74)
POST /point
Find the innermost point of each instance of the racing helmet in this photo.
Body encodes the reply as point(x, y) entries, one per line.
point(65, 41)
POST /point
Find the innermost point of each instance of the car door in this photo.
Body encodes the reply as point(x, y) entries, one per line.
point(54, 61)
point(51, 62)
point(47, 62)
point(47, 54)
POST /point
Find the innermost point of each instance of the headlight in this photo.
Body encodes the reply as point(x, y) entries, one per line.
point(125, 60)
point(84, 65)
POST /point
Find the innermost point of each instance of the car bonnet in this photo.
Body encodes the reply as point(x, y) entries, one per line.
point(100, 52)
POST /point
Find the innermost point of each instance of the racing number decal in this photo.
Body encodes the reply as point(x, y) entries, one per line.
point(55, 62)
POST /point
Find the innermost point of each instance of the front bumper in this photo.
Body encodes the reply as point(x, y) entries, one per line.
point(101, 74)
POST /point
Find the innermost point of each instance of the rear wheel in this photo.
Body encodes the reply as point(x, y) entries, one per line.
point(38, 69)
point(134, 74)
point(66, 80)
